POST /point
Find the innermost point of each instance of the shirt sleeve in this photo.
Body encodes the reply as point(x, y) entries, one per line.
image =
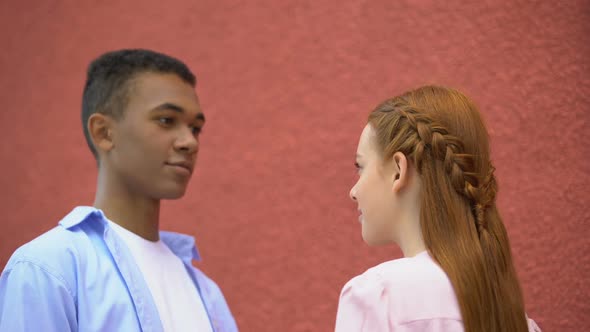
point(217, 307)
point(363, 306)
point(34, 299)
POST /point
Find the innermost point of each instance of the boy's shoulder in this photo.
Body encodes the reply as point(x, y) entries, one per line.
point(58, 250)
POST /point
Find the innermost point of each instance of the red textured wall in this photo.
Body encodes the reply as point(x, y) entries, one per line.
point(286, 87)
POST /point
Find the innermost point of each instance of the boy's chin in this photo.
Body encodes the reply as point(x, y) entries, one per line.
point(172, 194)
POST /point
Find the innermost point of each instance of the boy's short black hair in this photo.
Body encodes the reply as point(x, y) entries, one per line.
point(109, 76)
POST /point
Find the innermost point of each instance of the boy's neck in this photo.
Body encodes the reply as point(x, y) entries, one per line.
point(139, 215)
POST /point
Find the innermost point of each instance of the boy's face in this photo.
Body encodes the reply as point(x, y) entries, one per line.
point(155, 142)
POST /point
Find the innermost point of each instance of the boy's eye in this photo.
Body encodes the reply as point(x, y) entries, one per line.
point(166, 120)
point(196, 130)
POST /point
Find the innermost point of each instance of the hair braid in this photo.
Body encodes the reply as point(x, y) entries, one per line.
point(435, 138)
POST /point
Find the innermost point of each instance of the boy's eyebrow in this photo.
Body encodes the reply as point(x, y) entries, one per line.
point(176, 108)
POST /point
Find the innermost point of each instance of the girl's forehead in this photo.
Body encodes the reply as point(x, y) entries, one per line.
point(366, 140)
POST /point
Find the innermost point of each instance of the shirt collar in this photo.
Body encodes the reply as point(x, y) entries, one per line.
point(80, 214)
point(181, 245)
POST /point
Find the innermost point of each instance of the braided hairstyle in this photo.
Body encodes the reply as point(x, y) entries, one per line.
point(441, 132)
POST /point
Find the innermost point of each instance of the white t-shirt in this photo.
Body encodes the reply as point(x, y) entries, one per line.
point(177, 299)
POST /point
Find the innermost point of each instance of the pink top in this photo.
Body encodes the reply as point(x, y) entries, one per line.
point(408, 294)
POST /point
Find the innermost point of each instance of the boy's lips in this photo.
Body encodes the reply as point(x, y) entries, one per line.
point(187, 165)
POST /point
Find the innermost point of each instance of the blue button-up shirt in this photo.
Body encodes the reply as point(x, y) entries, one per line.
point(80, 276)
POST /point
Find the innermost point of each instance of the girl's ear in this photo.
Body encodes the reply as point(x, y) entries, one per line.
point(400, 176)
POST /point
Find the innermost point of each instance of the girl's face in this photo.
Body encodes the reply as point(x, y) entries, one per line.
point(373, 192)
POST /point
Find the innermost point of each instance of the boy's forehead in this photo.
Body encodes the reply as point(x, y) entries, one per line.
point(157, 88)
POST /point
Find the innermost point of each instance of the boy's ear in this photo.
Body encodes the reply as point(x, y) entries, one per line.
point(100, 128)
point(400, 176)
